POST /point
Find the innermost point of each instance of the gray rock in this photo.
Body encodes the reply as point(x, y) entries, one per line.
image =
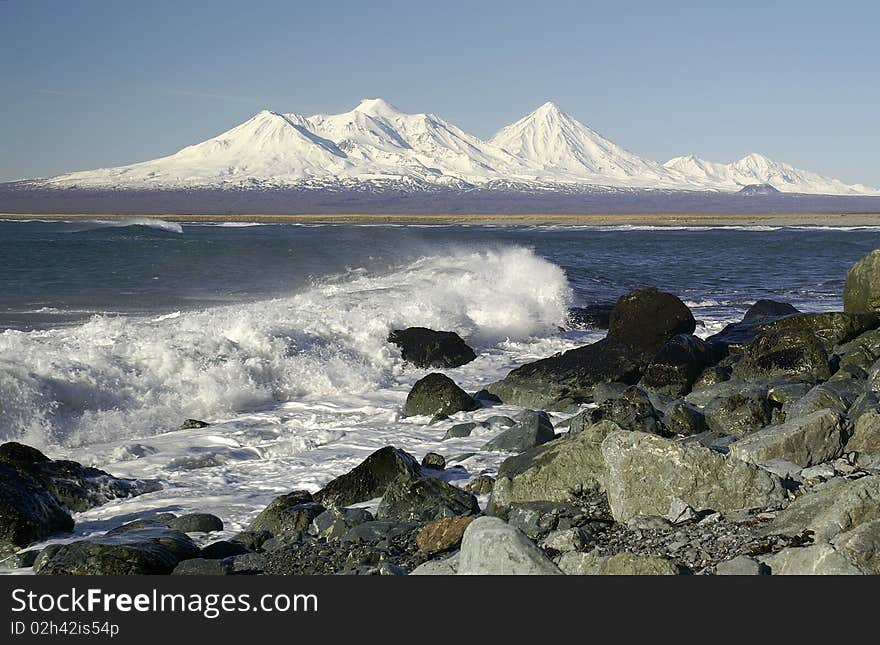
point(463, 430)
point(376, 530)
point(645, 473)
point(572, 539)
point(252, 540)
point(817, 559)
point(806, 441)
point(830, 509)
point(533, 429)
point(858, 355)
point(741, 565)
point(862, 546)
point(288, 516)
point(861, 292)
point(632, 410)
point(620, 564)
point(445, 567)
point(866, 433)
point(492, 547)
point(554, 471)
point(369, 479)
point(820, 472)
point(782, 468)
point(437, 394)
point(139, 551)
point(249, 563)
point(196, 523)
point(335, 523)
point(424, 500)
point(744, 411)
point(837, 396)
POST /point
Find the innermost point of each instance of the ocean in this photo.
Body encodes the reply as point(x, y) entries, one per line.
point(113, 333)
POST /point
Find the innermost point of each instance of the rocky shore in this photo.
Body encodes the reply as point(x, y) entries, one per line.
point(755, 451)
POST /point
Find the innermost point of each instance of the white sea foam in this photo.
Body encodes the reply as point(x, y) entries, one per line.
point(114, 378)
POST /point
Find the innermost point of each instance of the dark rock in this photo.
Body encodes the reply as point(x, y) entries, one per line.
point(335, 523)
point(486, 398)
point(677, 365)
point(645, 319)
point(739, 412)
point(595, 315)
point(434, 460)
point(437, 394)
point(632, 411)
point(372, 532)
point(196, 523)
point(784, 353)
point(533, 429)
point(569, 378)
point(424, 500)
point(140, 551)
point(481, 485)
point(684, 419)
point(76, 486)
point(428, 348)
point(204, 567)
point(369, 479)
point(20, 560)
point(193, 424)
point(711, 376)
point(288, 516)
point(28, 511)
point(223, 549)
point(252, 540)
point(862, 289)
point(769, 309)
point(249, 563)
point(463, 429)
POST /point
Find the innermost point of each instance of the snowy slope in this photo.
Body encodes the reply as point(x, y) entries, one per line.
point(377, 142)
point(757, 169)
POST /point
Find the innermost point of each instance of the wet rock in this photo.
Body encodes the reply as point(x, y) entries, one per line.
point(861, 292)
point(288, 516)
point(595, 315)
point(740, 412)
point(28, 511)
point(437, 394)
point(806, 441)
point(252, 540)
point(481, 485)
point(645, 473)
point(554, 471)
point(376, 530)
point(645, 319)
point(196, 523)
point(369, 479)
point(223, 549)
point(632, 411)
point(769, 309)
point(434, 460)
point(533, 429)
point(492, 547)
point(193, 424)
point(428, 348)
point(335, 523)
point(817, 559)
point(677, 365)
point(424, 500)
point(463, 429)
point(138, 551)
point(76, 486)
point(20, 560)
point(443, 534)
point(828, 510)
point(784, 353)
point(204, 567)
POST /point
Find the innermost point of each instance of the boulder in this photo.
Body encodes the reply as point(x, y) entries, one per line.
point(424, 500)
point(434, 460)
point(866, 433)
point(335, 523)
point(445, 567)
point(569, 378)
point(223, 549)
point(621, 564)
point(28, 511)
point(481, 485)
point(741, 565)
point(570, 539)
point(369, 479)
point(443, 534)
point(633, 411)
point(784, 353)
point(858, 355)
point(428, 348)
point(828, 510)
point(204, 567)
point(76, 486)
point(817, 559)
point(645, 319)
point(769, 309)
point(862, 546)
point(594, 315)
point(377, 530)
point(533, 429)
point(805, 441)
point(682, 418)
point(288, 516)
point(646, 473)
point(862, 289)
point(196, 523)
point(490, 546)
point(138, 551)
point(554, 471)
point(677, 365)
point(437, 394)
point(737, 410)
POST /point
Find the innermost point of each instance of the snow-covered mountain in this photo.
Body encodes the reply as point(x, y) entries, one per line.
point(376, 142)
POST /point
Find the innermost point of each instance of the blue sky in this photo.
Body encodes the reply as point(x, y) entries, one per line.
point(90, 83)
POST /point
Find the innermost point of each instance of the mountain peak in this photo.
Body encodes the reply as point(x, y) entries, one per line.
point(376, 107)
